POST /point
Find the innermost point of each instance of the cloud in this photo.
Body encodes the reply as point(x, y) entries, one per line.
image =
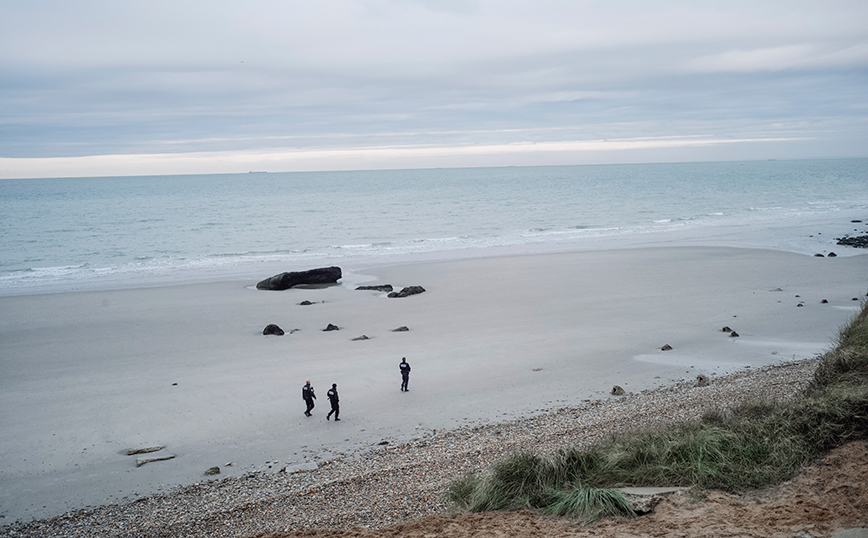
point(119, 78)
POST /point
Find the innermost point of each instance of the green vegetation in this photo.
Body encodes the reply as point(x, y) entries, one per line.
point(755, 445)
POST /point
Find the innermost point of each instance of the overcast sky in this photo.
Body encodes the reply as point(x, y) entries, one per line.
point(192, 86)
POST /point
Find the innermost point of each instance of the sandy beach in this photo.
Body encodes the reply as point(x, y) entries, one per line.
point(89, 375)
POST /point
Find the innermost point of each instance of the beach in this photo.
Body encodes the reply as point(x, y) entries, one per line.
point(91, 375)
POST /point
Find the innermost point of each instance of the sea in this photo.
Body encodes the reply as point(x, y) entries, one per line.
point(93, 233)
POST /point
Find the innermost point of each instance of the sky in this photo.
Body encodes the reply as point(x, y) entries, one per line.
point(94, 88)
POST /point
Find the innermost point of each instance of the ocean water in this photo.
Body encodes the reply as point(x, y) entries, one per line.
point(67, 234)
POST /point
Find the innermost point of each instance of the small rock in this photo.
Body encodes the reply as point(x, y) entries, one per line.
point(831, 255)
point(818, 255)
point(617, 391)
point(733, 334)
point(824, 301)
point(271, 328)
point(332, 327)
point(666, 347)
point(212, 471)
point(401, 329)
point(305, 303)
point(146, 450)
point(726, 329)
point(142, 461)
point(701, 381)
point(406, 292)
point(385, 287)
point(363, 337)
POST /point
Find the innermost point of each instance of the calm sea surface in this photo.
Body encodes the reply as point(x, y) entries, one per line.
point(111, 232)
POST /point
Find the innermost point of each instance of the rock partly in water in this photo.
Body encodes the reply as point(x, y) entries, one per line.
point(666, 347)
point(385, 287)
point(332, 327)
point(401, 329)
point(284, 281)
point(733, 334)
point(271, 328)
point(363, 337)
point(406, 292)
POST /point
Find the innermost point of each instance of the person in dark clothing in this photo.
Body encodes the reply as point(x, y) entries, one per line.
point(405, 374)
point(308, 396)
point(335, 401)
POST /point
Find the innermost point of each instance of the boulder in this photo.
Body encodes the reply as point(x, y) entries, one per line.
point(271, 328)
point(406, 292)
point(284, 281)
point(385, 287)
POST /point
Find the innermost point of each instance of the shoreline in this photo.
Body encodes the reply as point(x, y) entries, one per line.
point(91, 374)
point(392, 484)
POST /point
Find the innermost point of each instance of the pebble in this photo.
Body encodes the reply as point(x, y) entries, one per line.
point(393, 483)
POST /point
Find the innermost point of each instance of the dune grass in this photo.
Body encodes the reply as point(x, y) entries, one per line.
point(755, 445)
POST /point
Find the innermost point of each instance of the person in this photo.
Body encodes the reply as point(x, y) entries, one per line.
point(405, 374)
point(335, 401)
point(308, 396)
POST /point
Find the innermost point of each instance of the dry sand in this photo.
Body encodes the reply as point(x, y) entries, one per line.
point(87, 375)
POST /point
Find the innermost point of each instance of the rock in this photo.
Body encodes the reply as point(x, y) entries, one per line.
point(385, 287)
point(666, 347)
point(305, 303)
point(860, 241)
point(401, 329)
point(146, 450)
point(142, 461)
point(212, 471)
point(363, 337)
point(284, 281)
point(643, 500)
point(855, 221)
point(406, 292)
point(818, 255)
point(733, 334)
point(332, 327)
point(831, 255)
point(617, 391)
point(726, 329)
point(701, 381)
point(271, 328)
point(824, 301)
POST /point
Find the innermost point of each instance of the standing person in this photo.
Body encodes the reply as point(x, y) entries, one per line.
point(335, 401)
point(308, 396)
point(405, 374)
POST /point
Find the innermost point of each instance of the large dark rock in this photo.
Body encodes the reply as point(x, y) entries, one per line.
point(284, 281)
point(406, 292)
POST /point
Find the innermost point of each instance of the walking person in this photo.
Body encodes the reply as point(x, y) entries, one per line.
point(405, 374)
point(308, 396)
point(335, 401)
